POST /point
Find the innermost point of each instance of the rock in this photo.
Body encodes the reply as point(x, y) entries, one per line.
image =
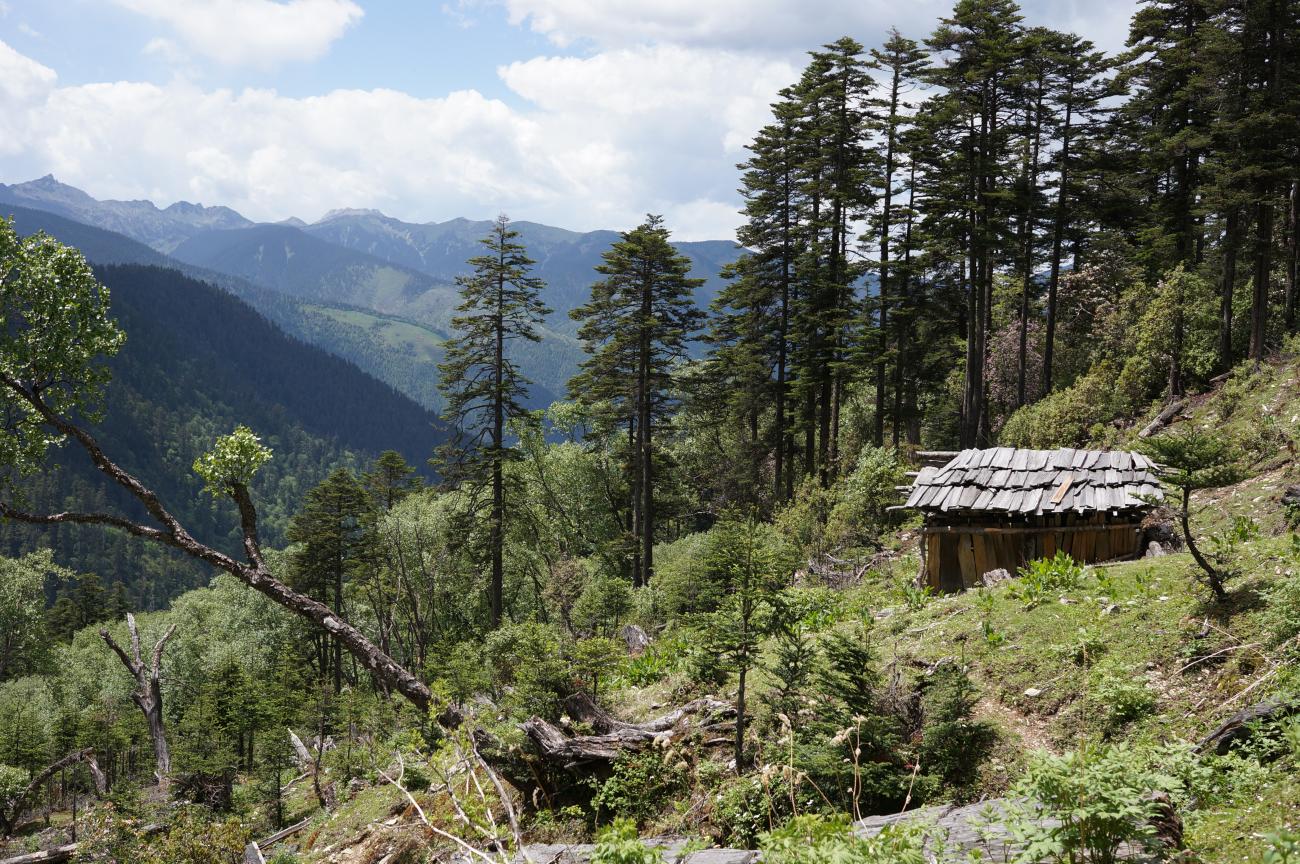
point(1066, 601)
point(994, 577)
point(1110, 609)
point(635, 638)
point(1155, 550)
point(1291, 497)
point(1033, 692)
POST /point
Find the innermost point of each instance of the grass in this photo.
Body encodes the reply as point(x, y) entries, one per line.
point(419, 342)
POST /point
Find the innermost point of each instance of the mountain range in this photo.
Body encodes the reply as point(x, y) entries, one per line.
point(198, 361)
point(361, 285)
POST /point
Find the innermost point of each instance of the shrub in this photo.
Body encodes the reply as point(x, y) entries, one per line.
point(1084, 805)
point(529, 673)
point(747, 806)
point(818, 839)
point(619, 844)
point(1122, 695)
point(953, 744)
point(860, 514)
point(639, 786)
point(1040, 579)
point(12, 782)
point(1067, 417)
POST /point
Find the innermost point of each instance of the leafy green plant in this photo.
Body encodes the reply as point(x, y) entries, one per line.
point(914, 596)
point(1122, 695)
point(1084, 805)
point(1283, 847)
point(639, 785)
point(986, 603)
point(1039, 580)
point(1225, 543)
point(817, 839)
point(619, 844)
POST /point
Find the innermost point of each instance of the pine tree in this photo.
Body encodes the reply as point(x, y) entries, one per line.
point(500, 307)
point(333, 527)
point(635, 330)
point(902, 60)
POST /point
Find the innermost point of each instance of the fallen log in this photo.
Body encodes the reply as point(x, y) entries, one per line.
point(1241, 726)
point(1162, 418)
point(11, 810)
point(50, 856)
point(613, 737)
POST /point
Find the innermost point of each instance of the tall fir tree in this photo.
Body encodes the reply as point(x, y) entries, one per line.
point(500, 306)
point(635, 331)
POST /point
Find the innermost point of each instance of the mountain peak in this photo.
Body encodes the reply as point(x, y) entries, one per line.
point(344, 212)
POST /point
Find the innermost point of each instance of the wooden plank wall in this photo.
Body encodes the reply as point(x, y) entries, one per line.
point(1089, 539)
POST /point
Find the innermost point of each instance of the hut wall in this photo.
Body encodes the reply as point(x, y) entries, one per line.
point(959, 553)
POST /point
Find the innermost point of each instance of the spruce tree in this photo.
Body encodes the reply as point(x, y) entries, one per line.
point(500, 307)
point(635, 331)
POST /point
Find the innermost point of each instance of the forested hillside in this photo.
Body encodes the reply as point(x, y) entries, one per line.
point(682, 606)
point(196, 362)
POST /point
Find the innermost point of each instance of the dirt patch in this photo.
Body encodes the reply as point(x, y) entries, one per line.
point(1032, 731)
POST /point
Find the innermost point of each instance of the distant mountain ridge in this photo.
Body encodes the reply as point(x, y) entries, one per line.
point(163, 229)
point(362, 285)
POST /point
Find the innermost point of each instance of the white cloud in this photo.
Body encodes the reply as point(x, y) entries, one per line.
point(789, 27)
point(603, 141)
point(255, 32)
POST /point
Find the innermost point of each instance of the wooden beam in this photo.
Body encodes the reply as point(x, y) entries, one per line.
point(993, 529)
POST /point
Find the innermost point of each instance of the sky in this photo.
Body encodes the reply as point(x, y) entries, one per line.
point(583, 114)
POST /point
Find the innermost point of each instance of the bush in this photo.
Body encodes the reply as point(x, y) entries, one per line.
point(860, 514)
point(952, 744)
point(1084, 805)
point(12, 782)
point(640, 784)
point(529, 673)
point(619, 844)
point(1122, 695)
point(1069, 417)
point(1038, 581)
point(747, 806)
point(681, 584)
point(830, 840)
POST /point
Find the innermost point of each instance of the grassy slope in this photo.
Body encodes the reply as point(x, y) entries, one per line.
point(1146, 621)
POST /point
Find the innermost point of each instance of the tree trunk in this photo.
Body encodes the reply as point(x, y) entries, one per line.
point(886, 214)
point(1263, 272)
point(1231, 237)
point(1058, 236)
point(645, 453)
point(1212, 575)
point(1293, 246)
point(148, 692)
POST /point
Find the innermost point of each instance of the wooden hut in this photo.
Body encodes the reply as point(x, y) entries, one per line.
point(998, 508)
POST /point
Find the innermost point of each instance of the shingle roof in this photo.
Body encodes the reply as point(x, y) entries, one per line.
point(1009, 480)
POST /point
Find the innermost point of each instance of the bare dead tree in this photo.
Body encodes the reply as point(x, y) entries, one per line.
point(12, 809)
point(148, 691)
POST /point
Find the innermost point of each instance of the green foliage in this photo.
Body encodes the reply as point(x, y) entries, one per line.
point(24, 639)
point(816, 839)
point(745, 807)
point(953, 743)
point(529, 672)
point(639, 785)
point(1283, 847)
point(57, 336)
point(1121, 694)
point(12, 782)
point(603, 606)
point(619, 844)
point(860, 515)
point(1084, 805)
point(1040, 580)
point(232, 462)
point(1069, 417)
point(595, 660)
point(191, 836)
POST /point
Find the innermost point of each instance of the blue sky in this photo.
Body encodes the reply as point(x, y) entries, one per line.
point(580, 113)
